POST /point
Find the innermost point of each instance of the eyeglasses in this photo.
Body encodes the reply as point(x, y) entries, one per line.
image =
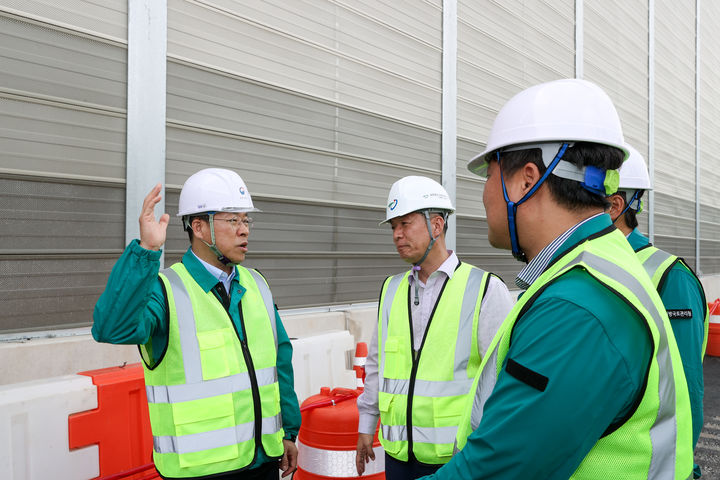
point(235, 222)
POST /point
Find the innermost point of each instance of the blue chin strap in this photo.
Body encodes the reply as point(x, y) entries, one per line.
point(638, 204)
point(512, 206)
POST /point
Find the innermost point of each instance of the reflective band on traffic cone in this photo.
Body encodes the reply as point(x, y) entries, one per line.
point(328, 435)
point(361, 353)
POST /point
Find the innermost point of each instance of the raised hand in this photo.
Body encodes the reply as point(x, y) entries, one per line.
point(152, 232)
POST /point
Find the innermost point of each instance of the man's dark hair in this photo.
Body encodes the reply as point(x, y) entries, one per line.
point(630, 215)
point(568, 193)
point(190, 219)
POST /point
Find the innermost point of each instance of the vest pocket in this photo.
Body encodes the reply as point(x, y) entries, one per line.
point(216, 353)
point(204, 415)
point(212, 422)
point(395, 361)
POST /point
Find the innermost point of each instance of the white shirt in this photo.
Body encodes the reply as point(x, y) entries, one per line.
point(495, 306)
point(537, 265)
point(218, 273)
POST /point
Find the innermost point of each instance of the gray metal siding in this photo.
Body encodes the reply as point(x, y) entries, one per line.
point(320, 106)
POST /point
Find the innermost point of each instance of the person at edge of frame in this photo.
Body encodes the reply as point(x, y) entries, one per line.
point(680, 289)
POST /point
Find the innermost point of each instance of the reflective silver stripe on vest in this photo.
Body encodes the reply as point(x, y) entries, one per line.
point(465, 333)
point(210, 388)
point(434, 435)
point(267, 300)
point(427, 388)
point(485, 386)
point(390, 292)
point(224, 437)
point(662, 463)
point(654, 261)
point(186, 327)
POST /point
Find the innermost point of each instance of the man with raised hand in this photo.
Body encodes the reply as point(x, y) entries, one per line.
point(217, 360)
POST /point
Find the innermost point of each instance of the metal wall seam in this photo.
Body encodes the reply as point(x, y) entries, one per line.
point(697, 137)
point(146, 99)
point(579, 44)
point(449, 111)
point(651, 118)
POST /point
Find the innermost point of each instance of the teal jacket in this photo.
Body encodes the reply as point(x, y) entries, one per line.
point(681, 290)
point(594, 351)
point(132, 310)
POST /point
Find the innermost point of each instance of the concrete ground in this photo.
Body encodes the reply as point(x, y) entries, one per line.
point(707, 452)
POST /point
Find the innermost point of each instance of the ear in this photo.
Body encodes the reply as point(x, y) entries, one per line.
point(617, 204)
point(438, 224)
point(198, 227)
point(526, 178)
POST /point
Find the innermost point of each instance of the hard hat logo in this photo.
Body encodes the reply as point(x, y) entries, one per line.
point(393, 204)
point(242, 190)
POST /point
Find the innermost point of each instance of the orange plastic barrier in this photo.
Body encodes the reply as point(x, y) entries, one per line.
point(328, 433)
point(120, 426)
point(713, 343)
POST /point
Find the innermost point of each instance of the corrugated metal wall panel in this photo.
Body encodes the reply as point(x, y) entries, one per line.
point(71, 284)
point(709, 139)
point(51, 63)
point(102, 18)
point(60, 241)
point(52, 139)
point(674, 228)
point(276, 169)
point(44, 217)
point(504, 47)
point(62, 158)
point(616, 53)
point(225, 103)
point(398, 76)
point(675, 105)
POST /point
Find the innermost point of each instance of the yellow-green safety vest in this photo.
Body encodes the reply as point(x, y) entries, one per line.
point(211, 392)
point(422, 394)
point(654, 441)
point(658, 263)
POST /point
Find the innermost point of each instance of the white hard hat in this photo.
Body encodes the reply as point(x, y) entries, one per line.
point(214, 190)
point(410, 194)
point(564, 110)
point(633, 172)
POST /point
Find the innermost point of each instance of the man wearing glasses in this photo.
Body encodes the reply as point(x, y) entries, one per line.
point(217, 360)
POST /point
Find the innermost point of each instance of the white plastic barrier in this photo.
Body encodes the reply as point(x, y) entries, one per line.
point(34, 429)
point(320, 361)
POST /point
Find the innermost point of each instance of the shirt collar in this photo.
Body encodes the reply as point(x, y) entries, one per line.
point(448, 267)
point(206, 275)
point(537, 265)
